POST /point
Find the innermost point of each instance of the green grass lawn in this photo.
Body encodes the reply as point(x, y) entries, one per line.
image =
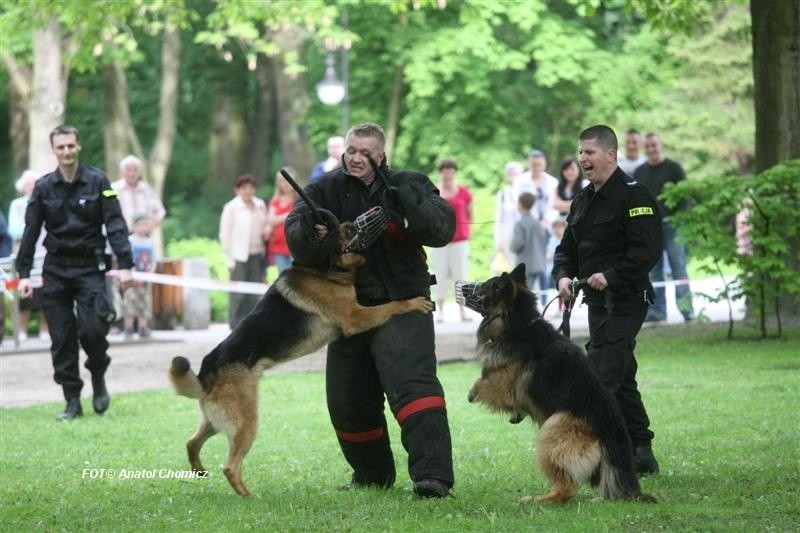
point(725, 415)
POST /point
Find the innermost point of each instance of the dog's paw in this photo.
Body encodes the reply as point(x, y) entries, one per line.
point(421, 305)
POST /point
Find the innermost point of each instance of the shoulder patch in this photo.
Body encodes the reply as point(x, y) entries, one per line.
point(109, 193)
point(639, 211)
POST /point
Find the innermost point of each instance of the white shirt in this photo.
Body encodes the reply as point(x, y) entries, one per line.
point(629, 165)
point(237, 229)
point(544, 191)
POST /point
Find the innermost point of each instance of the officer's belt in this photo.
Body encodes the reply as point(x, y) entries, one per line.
point(64, 260)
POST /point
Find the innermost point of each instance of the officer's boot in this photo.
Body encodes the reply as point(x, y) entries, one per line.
point(644, 462)
point(100, 397)
point(73, 409)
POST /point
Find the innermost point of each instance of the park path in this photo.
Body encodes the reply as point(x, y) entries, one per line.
point(26, 373)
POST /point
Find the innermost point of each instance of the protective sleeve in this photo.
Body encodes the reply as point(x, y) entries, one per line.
point(34, 218)
point(116, 228)
point(306, 248)
point(430, 220)
point(644, 239)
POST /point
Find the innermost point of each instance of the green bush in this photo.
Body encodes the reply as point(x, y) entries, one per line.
point(211, 251)
point(767, 266)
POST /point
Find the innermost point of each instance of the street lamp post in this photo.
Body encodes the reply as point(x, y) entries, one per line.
point(333, 91)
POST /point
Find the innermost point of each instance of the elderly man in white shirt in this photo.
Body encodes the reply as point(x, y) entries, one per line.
point(136, 196)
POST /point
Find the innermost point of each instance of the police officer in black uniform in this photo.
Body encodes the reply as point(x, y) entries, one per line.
point(613, 239)
point(396, 360)
point(73, 203)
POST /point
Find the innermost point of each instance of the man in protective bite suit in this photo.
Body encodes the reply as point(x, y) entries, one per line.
point(395, 361)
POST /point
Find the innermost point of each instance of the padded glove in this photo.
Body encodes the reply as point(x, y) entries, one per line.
point(309, 219)
point(408, 196)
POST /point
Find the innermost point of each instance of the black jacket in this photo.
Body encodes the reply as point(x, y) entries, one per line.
point(616, 231)
point(73, 215)
point(396, 266)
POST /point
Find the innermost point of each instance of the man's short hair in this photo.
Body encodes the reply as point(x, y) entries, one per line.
point(128, 160)
point(604, 136)
point(526, 200)
point(536, 153)
point(367, 129)
point(65, 129)
point(651, 134)
point(447, 163)
point(632, 131)
point(244, 179)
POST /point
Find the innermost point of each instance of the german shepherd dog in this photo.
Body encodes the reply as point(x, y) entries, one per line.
point(529, 369)
point(302, 311)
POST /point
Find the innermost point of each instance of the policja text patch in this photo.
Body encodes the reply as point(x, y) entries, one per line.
point(638, 211)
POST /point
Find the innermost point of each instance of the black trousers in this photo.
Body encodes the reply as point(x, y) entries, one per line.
point(396, 361)
point(77, 307)
point(610, 352)
point(240, 304)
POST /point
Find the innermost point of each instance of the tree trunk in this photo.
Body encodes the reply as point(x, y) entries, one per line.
point(260, 143)
point(19, 95)
point(776, 72)
point(48, 95)
point(115, 103)
point(394, 111)
point(292, 103)
point(226, 142)
point(161, 153)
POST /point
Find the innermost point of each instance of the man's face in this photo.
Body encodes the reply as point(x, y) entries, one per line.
point(131, 173)
point(246, 192)
point(598, 164)
point(537, 165)
point(355, 157)
point(632, 143)
point(66, 149)
point(448, 175)
point(653, 150)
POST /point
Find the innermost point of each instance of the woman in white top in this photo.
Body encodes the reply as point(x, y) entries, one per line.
point(242, 229)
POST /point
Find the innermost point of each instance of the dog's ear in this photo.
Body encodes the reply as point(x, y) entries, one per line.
point(518, 274)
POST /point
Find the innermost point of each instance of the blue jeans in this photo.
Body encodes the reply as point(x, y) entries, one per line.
point(531, 280)
point(282, 262)
point(676, 255)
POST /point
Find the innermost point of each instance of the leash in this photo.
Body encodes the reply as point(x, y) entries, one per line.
point(577, 285)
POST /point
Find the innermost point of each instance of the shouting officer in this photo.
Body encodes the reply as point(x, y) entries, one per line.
point(73, 203)
point(613, 239)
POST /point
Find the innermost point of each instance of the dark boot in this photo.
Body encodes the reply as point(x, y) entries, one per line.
point(100, 397)
point(431, 488)
point(644, 462)
point(72, 411)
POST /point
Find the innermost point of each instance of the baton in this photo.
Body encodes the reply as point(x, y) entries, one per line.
point(309, 202)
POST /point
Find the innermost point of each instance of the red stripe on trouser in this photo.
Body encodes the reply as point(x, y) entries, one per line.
point(428, 402)
point(361, 436)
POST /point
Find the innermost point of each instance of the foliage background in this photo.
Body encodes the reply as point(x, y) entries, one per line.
point(482, 82)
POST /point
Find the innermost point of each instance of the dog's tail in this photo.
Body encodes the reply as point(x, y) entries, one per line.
point(184, 380)
point(618, 479)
